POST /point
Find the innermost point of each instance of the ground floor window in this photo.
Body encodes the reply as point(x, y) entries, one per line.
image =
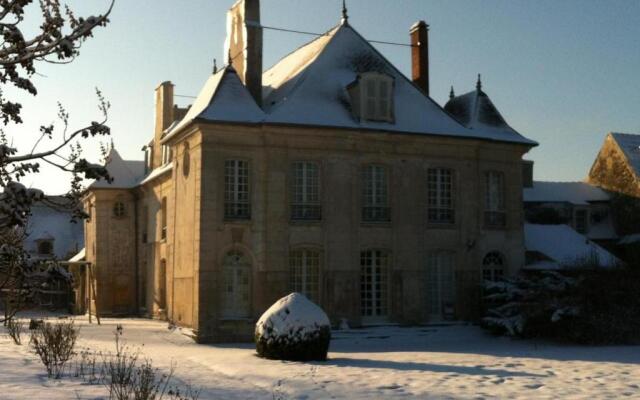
point(493, 266)
point(304, 273)
point(441, 284)
point(374, 270)
point(237, 286)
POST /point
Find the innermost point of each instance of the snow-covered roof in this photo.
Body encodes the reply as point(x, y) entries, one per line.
point(49, 222)
point(630, 239)
point(476, 111)
point(578, 193)
point(309, 87)
point(563, 246)
point(125, 173)
point(79, 256)
point(630, 146)
point(156, 173)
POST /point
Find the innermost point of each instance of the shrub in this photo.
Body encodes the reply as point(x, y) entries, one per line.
point(587, 306)
point(15, 328)
point(293, 329)
point(54, 344)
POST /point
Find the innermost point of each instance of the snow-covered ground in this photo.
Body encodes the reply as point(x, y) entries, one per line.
point(447, 362)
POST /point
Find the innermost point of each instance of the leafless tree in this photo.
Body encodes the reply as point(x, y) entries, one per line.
point(57, 40)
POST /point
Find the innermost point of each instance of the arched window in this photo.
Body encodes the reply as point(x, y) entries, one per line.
point(45, 247)
point(304, 273)
point(493, 266)
point(186, 161)
point(119, 210)
point(236, 302)
point(374, 284)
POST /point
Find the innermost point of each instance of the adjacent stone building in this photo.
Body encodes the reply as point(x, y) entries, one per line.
point(329, 174)
point(617, 166)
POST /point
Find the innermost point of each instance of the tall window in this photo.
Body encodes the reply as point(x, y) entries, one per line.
point(375, 194)
point(305, 193)
point(440, 183)
point(145, 224)
point(45, 247)
point(582, 221)
point(441, 284)
point(494, 214)
point(304, 269)
point(236, 190)
point(236, 301)
point(493, 266)
point(163, 219)
point(374, 266)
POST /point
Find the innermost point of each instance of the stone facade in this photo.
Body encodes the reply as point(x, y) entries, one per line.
point(183, 256)
point(612, 170)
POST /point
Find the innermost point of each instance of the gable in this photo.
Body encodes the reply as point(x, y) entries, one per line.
point(613, 171)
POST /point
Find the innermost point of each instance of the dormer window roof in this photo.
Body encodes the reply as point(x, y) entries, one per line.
point(372, 97)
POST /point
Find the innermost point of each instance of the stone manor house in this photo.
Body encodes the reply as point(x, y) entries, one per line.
point(330, 174)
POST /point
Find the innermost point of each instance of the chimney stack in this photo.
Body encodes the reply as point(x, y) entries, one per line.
point(420, 55)
point(164, 117)
point(244, 44)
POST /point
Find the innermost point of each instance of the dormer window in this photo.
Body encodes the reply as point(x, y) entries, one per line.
point(45, 247)
point(372, 97)
point(167, 154)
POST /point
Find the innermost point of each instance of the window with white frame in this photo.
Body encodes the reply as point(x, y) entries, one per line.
point(440, 202)
point(236, 190)
point(374, 273)
point(167, 154)
point(375, 194)
point(305, 191)
point(494, 214)
point(304, 273)
point(441, 284)
point(119, 209)
point(493, 266)
point(236, 301)
point(372, 97)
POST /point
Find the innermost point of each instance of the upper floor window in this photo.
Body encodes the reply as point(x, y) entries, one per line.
point(440, 183)
point(375, 194)
point(372, 96)
point(148, 157)
point(305, 273)
point(167, 154)
point(236, 190)
point(119, 209)
point(305, 204)
point(494, 214)
point(581, 221)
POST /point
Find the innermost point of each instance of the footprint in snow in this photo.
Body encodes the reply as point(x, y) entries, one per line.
point(497, 381)
point(390, 387)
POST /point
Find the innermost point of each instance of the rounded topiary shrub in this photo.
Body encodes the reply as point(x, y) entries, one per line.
point(294, 329)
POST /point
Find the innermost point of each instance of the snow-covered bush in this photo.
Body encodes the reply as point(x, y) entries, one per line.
point(54, 344)
point(528, 305)
point(295, 329)
point(588, 306)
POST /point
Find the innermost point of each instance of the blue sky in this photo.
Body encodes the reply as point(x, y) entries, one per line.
point(563, 73)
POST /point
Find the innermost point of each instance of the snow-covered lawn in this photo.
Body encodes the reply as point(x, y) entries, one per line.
point(458, 362)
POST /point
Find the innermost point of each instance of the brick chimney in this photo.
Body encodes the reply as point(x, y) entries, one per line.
point(419, 33)
point(164, 117)
point(244, 44)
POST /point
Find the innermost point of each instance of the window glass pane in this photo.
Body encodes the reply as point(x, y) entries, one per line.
point(375, 194)
point(306, 191)
point(304, 272)
point(374, 283)
point(440, 195)
point(236, 190)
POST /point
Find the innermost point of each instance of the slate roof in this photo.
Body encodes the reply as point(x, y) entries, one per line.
point(630, 146)
point(562, 245)
point(308, 87)
point(578, 193)
point(126, 174)
point(476, 111)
